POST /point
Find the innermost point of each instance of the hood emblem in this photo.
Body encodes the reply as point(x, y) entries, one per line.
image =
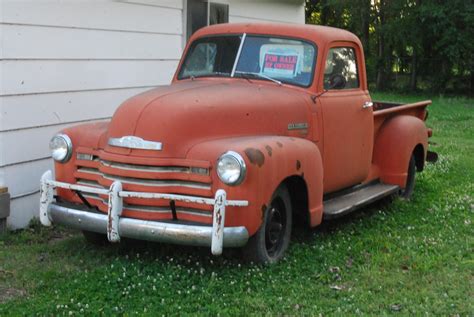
point(134, 142)
point(297, 126)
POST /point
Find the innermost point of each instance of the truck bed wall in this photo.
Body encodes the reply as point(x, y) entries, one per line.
point(389, 157)
point(387, 110)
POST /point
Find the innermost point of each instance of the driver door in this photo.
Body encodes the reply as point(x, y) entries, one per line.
point(347, 119)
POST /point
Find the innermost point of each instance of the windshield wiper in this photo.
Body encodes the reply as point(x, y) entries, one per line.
point(258, 75)
point(213, 74)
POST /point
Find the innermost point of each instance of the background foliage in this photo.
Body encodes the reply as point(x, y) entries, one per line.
point(409, 44)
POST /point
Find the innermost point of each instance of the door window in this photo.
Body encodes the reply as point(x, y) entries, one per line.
point(341, 69)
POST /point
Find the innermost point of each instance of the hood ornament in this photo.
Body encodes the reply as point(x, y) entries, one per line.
point(134, 142)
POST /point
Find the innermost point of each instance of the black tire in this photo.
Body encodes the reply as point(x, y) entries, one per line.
point(269, 243)
point(410, 185)
point(95, 238)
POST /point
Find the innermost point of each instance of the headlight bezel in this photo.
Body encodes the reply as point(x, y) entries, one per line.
point(68, 143)
point(239, 160)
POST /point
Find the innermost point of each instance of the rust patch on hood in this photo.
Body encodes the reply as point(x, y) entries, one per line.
point(298, 165)
point(255, 156)
point(279, 144)
point(269, 150)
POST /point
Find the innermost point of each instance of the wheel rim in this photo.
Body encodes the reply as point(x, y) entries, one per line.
point(275, 227)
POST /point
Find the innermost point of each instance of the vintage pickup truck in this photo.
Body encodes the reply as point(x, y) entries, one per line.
point(261, 124)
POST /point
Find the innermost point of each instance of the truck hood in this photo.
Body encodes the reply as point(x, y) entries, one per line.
point(186, 113)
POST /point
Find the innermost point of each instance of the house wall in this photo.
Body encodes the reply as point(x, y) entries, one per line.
point(288, 11)
point(70, 61)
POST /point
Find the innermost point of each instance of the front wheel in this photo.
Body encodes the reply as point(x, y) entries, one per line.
point(410, 184)
point(270, 242)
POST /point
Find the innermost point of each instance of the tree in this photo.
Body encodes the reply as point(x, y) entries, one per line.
point(427, 40)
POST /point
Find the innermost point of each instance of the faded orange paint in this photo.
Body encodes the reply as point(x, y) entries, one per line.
point(197, 120)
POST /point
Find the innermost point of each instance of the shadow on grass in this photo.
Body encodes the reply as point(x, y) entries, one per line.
point(153, 252)
point(303, 234)
point(68, 245)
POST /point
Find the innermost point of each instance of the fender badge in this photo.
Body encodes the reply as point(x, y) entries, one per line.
point(297, 126)
point(134, 142)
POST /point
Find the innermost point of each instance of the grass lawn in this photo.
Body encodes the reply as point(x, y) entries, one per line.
point(406, 258)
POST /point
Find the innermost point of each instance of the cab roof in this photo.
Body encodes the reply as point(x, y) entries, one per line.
point(321, 35)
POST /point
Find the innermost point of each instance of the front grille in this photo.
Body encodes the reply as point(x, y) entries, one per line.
point(146, 182)
point(182, 177)
point(155, 169)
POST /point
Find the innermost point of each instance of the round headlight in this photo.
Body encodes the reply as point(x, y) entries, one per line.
point(231, 168)
point(61, 148)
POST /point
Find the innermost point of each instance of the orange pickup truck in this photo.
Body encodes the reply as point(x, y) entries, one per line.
point(262, 123)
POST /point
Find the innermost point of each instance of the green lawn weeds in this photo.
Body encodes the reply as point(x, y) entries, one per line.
point(405, 258)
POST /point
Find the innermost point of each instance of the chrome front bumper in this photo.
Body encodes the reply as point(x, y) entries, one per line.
point(116, 226)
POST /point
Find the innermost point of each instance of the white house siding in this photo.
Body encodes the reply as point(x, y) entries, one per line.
point(70, 61)
point(288, 11)
point(65, 62)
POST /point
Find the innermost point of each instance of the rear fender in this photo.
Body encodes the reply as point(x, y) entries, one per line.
point(394, 146)
point(269, 160)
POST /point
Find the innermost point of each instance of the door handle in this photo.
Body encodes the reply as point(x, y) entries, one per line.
point(368, 104)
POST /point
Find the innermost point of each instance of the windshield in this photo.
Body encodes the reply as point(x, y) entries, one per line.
point(258, 57)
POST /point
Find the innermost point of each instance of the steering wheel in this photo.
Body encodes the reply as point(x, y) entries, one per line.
point(337, 81)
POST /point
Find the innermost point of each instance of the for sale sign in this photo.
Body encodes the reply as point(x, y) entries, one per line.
point(280, 65)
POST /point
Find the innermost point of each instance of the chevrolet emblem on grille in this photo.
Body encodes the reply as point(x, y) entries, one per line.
point(134, 142)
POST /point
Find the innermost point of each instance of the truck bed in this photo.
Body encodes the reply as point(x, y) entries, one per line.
point(382, 105)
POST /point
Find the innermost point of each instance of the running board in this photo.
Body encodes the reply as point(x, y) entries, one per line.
point(344, 204)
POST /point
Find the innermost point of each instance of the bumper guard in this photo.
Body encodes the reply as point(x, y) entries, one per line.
point(116, 226)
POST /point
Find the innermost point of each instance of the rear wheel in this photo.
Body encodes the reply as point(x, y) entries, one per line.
point(410, 184)
point(270, 242)
point(95, 238)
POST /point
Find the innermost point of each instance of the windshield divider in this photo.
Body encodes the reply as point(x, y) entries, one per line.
point(237, 57)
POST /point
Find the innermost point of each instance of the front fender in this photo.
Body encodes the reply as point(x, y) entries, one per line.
point(269, 160)
point(394, 147)
point(83, 136)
